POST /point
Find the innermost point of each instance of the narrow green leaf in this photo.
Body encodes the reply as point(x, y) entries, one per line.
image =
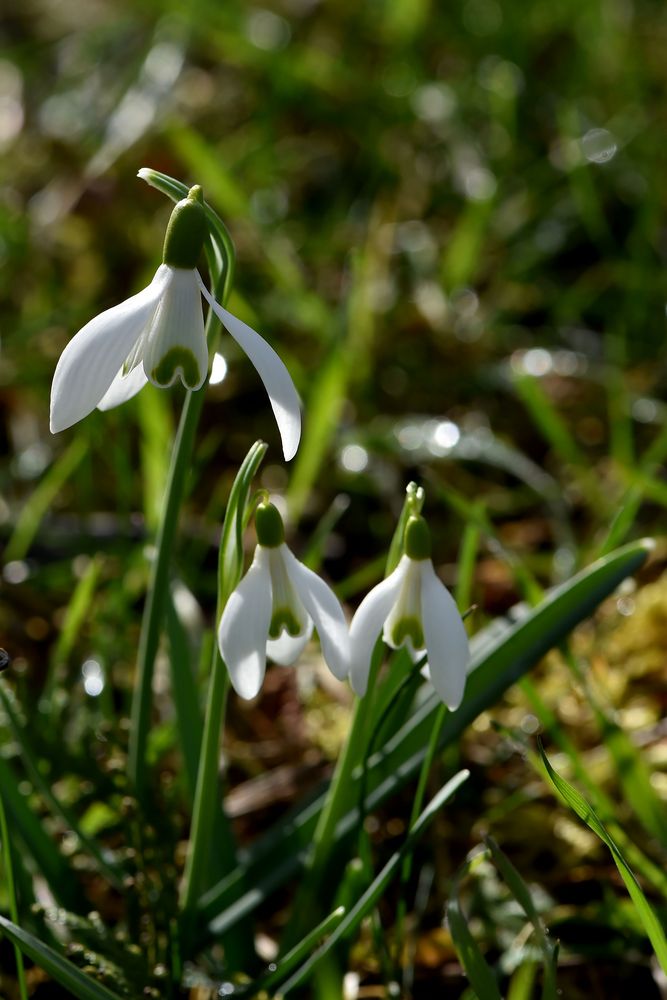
point(584, 811)
point(36, 506)
point(523, 896)
point(11, 892)
point(185, 695)
point(365, 904)
point(481, 976)
point(53, 866)
point(79, 985)
point(547, 418)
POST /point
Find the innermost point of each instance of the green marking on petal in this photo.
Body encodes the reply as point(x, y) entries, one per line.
point(408, 628)
point(283, 618)
point(177, 361)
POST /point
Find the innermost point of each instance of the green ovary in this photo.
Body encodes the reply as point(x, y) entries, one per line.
point(408, 628)
point(177, 360)
point(283, 618)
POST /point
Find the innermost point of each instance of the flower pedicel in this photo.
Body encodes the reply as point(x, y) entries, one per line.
point(158, 335)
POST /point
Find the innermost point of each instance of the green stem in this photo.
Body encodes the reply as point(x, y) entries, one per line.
point(11, 892)
point(156, 599)
point(206, 804)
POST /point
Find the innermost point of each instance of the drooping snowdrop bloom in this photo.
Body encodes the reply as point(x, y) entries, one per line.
point(413, 608)
point(158, 335)
point(273, 610)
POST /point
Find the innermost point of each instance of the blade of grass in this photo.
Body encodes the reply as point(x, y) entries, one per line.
point(522, 894)
point(29, 761)
point(79, 985)
point(75, 615)
point(584, 811)
point(11, 892)
point(60, 878)
point(36, 506)
point(478, 971)
point(368, 900)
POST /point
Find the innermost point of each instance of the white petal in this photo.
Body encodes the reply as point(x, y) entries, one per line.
point(277, 380)
point(325, 609)
point(122, 388)
point(446, 638)
point(367, 625)
point(288, 648)
point(178, 327)
point(244, 626)
point(93, 357)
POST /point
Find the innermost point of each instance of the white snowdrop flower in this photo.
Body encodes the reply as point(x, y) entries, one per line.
point(158, 335)
point(413, 608)
point(273, 610)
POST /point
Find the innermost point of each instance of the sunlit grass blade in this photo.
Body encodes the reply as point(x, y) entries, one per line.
point(368, 900)
point(79, 985)
point(521, 983)
point(523, 896)
point(75, 615)
point(37, 504)
point(186, 699)
point(477, 969)
point(156, 427)
point(581, 807)
point(603, 804)
point(501, 655)
point(8, 866)
point(59, 876)
point(547, 418)
point(31, 764)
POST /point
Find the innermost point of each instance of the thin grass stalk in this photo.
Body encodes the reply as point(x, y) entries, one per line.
point(11, 893)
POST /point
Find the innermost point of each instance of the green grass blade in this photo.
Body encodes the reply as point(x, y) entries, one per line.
point(79, 985)
point(549, 421)
point(185, 695)
point(584, 811)
point(36, 506)
point(69, 820)
point(523, 896)
point(11, 892)
point(480, 974)
point(61, 880)
point(370, 897)
point(75, 616)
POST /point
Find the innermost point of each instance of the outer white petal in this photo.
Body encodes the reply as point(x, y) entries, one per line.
point(367, 624)
point(122, 388)
point(178, 324)
point(277, 380)
point(244, 626)
point(93, 357)
point(288, 648)
point(446, 638)
point(325, 609)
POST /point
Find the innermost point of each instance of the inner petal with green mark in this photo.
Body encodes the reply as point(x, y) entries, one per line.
point(404, 622)
point(408, 628)
point(287, 611)
point(178, 361)
point(283, 618)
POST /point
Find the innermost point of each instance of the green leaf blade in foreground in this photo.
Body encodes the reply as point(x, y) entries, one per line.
point(501, 655)
point(584, 811)
point(79, 985)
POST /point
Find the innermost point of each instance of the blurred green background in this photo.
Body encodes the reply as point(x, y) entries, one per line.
point(450, 223)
